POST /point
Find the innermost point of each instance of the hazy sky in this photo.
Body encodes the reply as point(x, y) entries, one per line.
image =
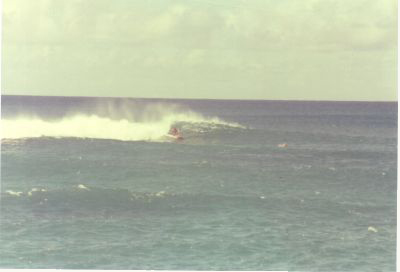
point(232, 49)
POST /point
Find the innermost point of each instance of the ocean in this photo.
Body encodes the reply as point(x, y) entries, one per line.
point(95, 183)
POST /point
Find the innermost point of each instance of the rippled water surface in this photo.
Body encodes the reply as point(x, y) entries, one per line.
point(93, 183)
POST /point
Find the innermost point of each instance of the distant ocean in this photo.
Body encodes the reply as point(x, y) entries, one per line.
point(94, 183)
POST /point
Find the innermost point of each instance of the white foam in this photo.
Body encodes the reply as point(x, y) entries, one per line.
point(146, 128)
point(81, 186)
point(36, 190)
point(372, 229)
point(13, 193)
point(160, 194)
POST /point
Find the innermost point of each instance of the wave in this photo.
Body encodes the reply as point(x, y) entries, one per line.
point(84, 200)
point(91, 200)
point(151, 124)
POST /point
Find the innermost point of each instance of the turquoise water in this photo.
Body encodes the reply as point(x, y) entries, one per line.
point(97, 192)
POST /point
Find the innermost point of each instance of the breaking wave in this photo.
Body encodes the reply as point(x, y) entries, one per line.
point(150, 124)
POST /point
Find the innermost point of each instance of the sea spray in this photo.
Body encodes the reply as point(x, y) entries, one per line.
point(151, 123)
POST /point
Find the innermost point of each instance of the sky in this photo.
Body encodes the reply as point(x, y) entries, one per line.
point(215, 49)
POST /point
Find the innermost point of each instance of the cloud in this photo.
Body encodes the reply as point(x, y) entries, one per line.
point(314, 25)
point(166, 21)
point(327, 24)
point(153, 45)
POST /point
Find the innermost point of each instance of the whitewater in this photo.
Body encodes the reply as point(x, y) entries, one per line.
point(93, 183)
point(152, 124)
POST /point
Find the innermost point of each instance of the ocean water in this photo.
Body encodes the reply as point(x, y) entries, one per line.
point(93, 183)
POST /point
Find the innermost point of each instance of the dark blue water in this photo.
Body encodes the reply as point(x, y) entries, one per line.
point(255, 185)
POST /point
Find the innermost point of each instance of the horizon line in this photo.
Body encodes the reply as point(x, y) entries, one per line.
point(213, 99)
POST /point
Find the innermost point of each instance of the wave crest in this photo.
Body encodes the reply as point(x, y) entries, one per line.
point(151, 124)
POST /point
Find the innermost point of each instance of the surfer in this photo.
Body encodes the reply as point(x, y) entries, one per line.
point(175, 133)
